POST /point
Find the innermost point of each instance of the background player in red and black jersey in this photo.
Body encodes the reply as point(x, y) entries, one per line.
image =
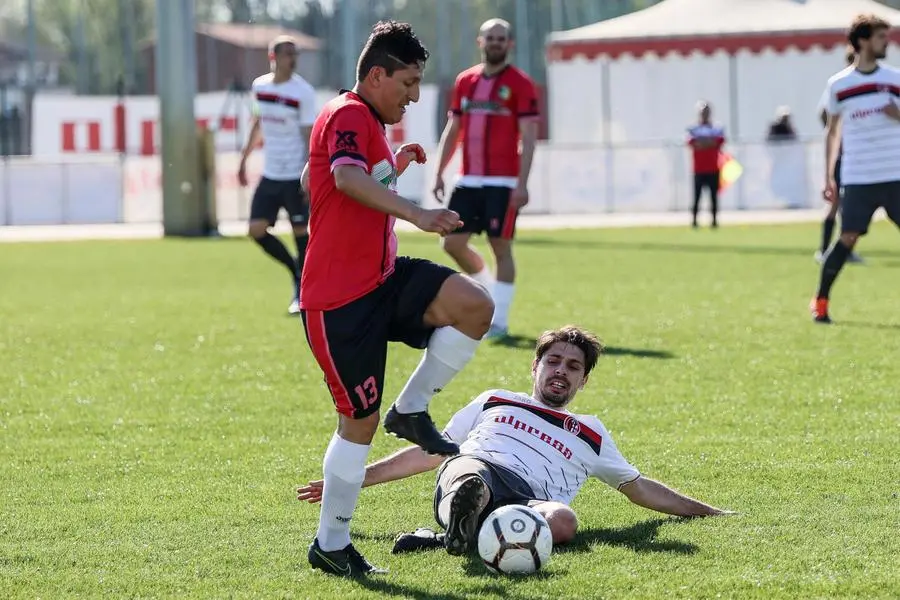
point(706, 141)
point(356, 294)
point(494, 109)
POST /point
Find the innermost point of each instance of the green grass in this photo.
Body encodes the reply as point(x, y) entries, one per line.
point(158, 409)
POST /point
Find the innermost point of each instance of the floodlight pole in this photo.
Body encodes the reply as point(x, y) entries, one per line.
point(176, 85)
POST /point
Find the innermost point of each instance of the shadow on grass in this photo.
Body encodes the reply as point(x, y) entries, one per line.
point(474, 567)
point(637, 352)
point(864, 325)
point(515, 341)
point(528, 342)
point(380, 584)
point(688, 248)
point(640, 537)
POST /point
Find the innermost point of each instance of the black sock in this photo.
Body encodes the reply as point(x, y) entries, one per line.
point(714, 203)
point(274, 248)
point(827, 232)
point(301, 240)
point(833, 264)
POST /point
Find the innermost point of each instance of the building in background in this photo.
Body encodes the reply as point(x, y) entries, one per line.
point(236, 53)
point(13, 84)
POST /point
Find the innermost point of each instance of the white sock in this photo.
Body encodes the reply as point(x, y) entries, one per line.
point(503, 296)
point(344, 468)
point(448, 352)
point(484, 277)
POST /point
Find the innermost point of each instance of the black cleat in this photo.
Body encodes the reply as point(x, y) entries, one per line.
point(421, 539)
point(465, 509)
point(345, 563)
point(419, 429)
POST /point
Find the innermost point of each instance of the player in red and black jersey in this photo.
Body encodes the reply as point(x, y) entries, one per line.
point(494, 108)
point(356, 294)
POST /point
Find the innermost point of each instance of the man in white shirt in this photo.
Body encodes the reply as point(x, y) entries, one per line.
point(834, 203)
point(864, 128)
point(517, 448)
point(284, 110)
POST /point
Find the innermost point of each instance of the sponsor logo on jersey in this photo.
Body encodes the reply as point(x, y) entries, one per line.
point(346, 140)
point(535, 432)
point(384, 173)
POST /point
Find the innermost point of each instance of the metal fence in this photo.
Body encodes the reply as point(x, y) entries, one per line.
point(565, 179)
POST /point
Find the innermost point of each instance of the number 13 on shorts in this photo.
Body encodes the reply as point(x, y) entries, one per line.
point(367, 392)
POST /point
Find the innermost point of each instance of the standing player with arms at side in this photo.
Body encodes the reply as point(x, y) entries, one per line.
point(863, 115)
point(494, 107)
point(284, 108)
point(833, 202)
point(357, 295)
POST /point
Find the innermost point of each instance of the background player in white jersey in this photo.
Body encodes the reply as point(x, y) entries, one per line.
point(864, 127)
point(834, 203)
point(521, 449)
point(284, 110)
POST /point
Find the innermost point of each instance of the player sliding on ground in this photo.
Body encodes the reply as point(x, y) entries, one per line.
point(521, 449)
point(356, 294)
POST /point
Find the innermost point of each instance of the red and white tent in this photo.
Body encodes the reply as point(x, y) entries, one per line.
point(650, 67)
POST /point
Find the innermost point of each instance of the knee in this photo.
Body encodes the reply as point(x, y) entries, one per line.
point(258, 229)
point(453, 244)
point(474, 305)
point(502, 249)
point(463, 304)
point(849, 239)
point(359, 431)
point(563, 524)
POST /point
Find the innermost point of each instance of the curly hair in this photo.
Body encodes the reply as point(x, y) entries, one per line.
point(864, 27)
point(392, 45)
point(585, 341)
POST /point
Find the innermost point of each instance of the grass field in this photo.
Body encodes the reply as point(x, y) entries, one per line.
point(158, 409)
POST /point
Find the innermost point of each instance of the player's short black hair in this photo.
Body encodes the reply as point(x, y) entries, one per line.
point(391, 45)
point(585, 341)
point(863, 27)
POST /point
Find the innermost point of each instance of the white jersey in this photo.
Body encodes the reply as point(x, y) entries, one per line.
point(283, 108)
point(871, 139)
point(554, 451)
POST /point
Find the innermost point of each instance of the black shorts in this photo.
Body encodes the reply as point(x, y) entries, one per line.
point(859, 203)
point(506, 487)
point(350, 342)
point(271, 196)
point(709, 181)
point(485, 209)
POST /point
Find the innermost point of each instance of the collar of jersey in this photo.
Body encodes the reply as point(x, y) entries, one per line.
point(494, 75)
point(366, 102)
point(872, 72)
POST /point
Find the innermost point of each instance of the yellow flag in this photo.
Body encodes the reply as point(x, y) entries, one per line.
point(730, 170)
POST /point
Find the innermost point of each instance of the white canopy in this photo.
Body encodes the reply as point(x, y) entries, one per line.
point(696, 18)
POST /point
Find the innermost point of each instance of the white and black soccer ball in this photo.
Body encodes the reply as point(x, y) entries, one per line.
point(515, 539)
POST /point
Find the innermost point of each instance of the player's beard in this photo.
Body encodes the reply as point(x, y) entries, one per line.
point(495, 57)
point(554, 399)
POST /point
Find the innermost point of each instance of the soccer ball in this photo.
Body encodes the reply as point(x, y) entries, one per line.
point(515, 540)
